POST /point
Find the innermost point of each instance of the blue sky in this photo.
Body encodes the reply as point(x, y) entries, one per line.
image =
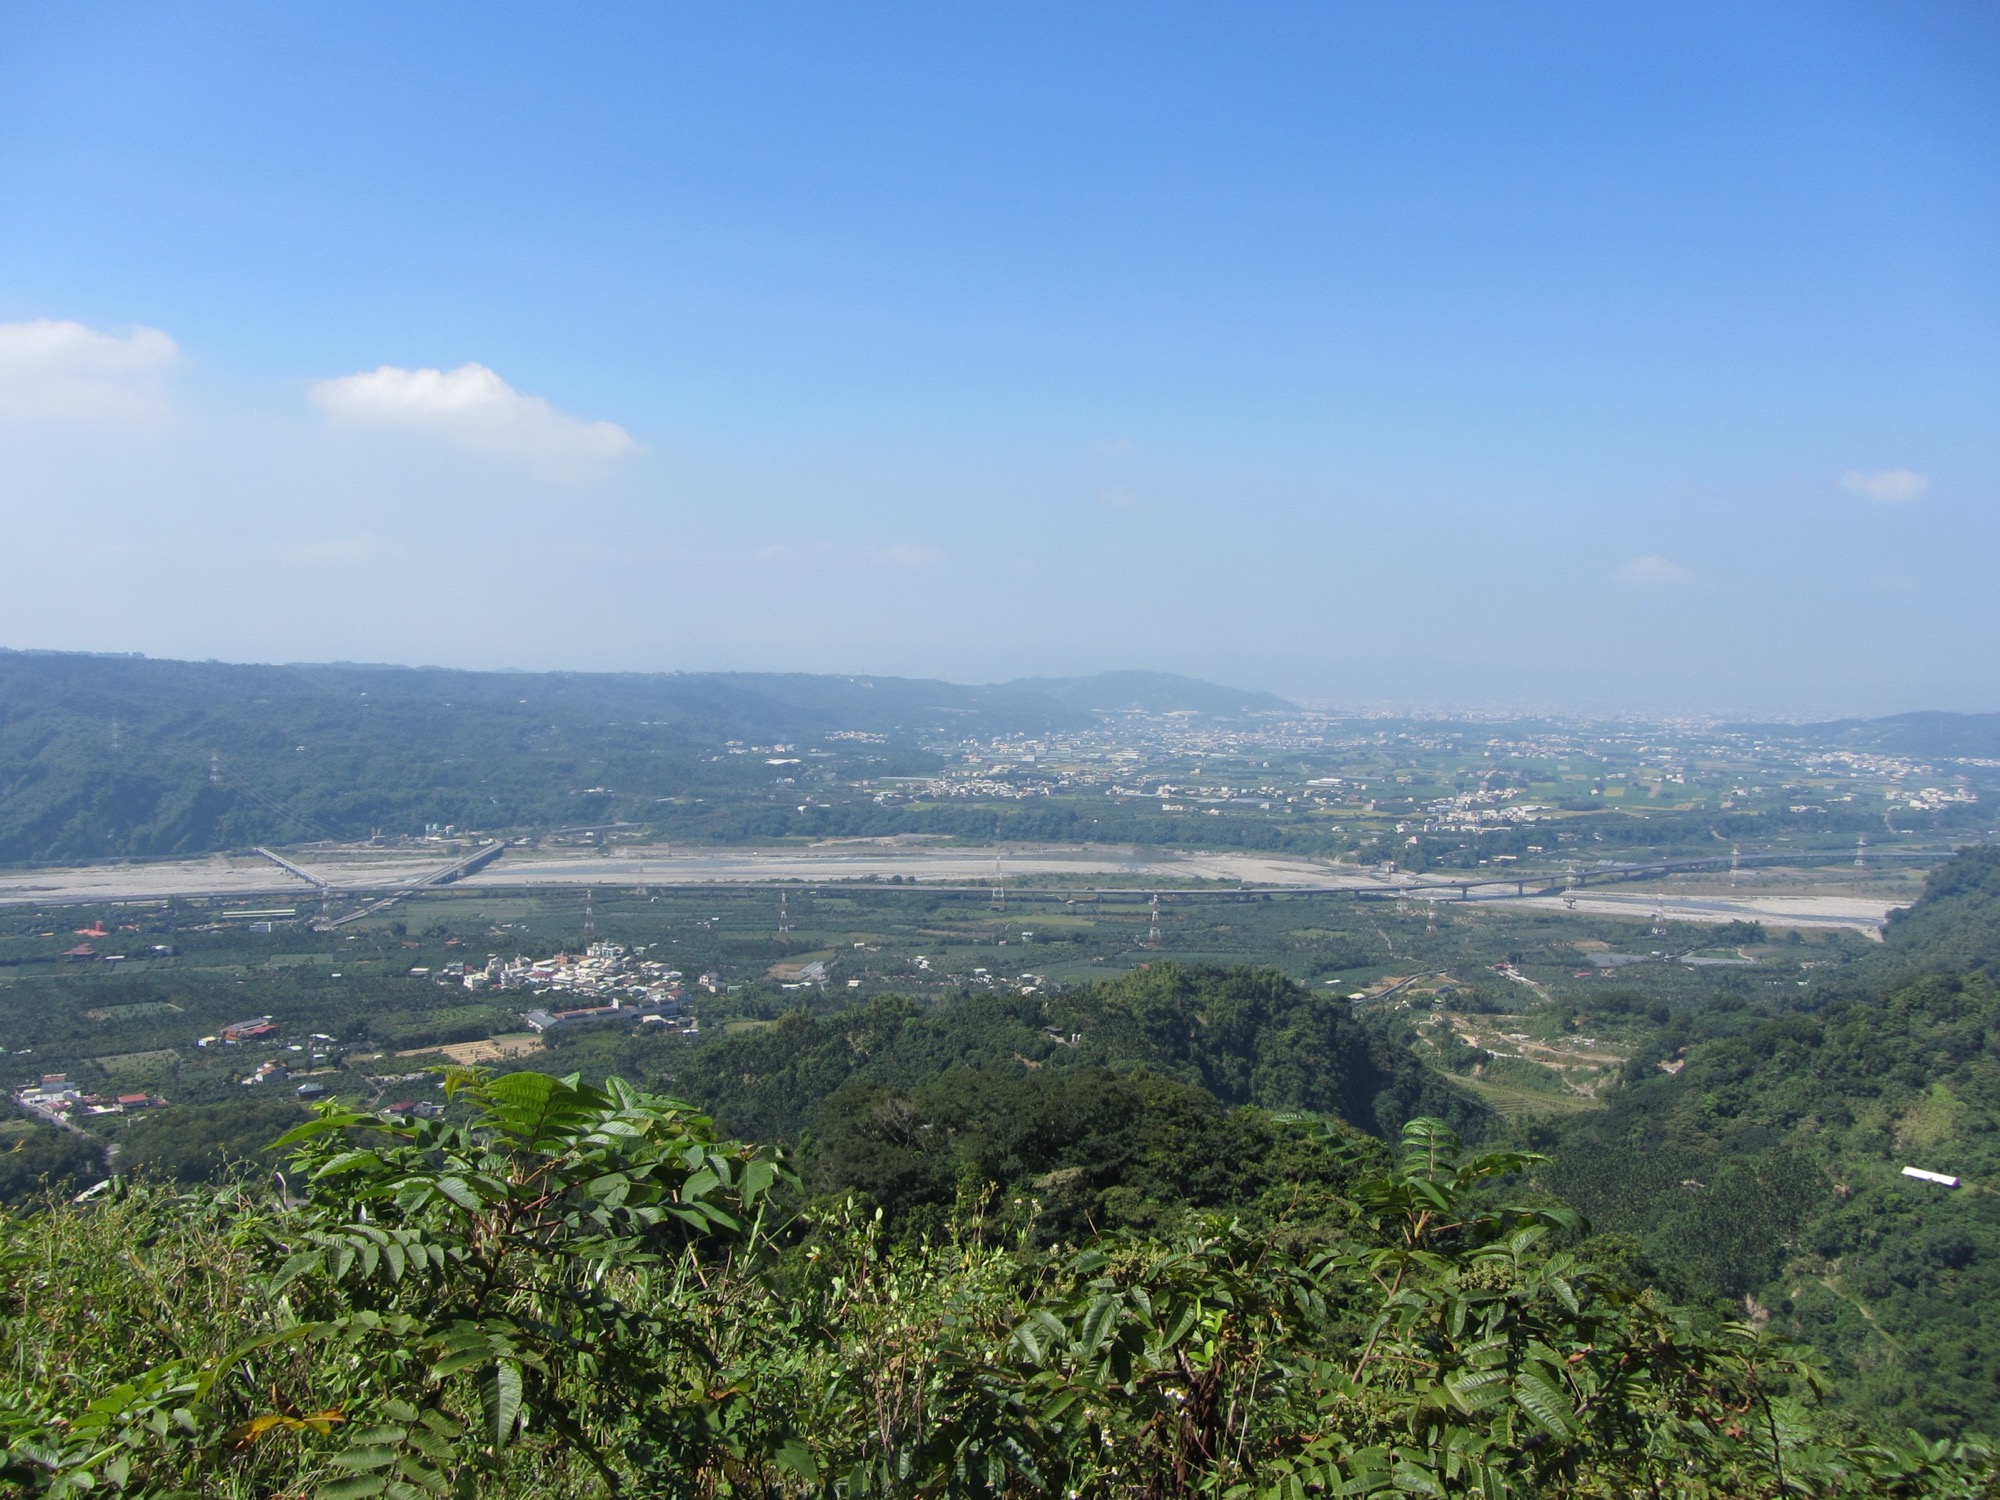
point(1630, 357)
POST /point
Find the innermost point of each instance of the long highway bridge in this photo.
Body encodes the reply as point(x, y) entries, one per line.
point(458, 869)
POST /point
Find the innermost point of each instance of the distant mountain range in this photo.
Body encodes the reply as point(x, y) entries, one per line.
point(121, 755)
point(764, 704)
point(1926, 735)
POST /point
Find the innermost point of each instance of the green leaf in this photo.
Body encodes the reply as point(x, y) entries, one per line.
point(701, 1182)
point(1475, 1390)
point(794, 1457)
point(363, 1458)
point(442, 1425)
point(1430, 1147)
point(354, 1487)
point(348, 1161)
point(1412, 1480)
point(335, 1118)
point(459, 1191)
point(1542, 1401)
point(1095, 1321)
point(500, 1401)
point(295, 1267)
point(420, 1473)
point(460, 1359)
point(530, 1106)
point(757, 1176)
point(431, 1446)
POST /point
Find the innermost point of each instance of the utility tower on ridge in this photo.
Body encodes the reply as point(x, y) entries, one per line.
point(1153, 933)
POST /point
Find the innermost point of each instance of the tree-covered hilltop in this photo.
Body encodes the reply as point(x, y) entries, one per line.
point(1951, 930)
point(107, 756)
point(1126, 1103)
point(1246, 1035)
point(1766, 1165)
point(570, 1291)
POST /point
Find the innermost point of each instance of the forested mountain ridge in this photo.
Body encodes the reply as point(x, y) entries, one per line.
point(1926, 734)
point(1248, 1036)
point(1953, 929)
point(1767, 1168)
point(114, 756)
point(1125, 1100)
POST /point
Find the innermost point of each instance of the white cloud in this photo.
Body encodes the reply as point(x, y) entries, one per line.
point(1890, 486)
point(62, 371)
point(474, 407)
point(1651, 570)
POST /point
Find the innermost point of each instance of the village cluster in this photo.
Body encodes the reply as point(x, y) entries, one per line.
point(54, 1099)
point(606, 982)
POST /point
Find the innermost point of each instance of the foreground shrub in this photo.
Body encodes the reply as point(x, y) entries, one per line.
point(574, 1291)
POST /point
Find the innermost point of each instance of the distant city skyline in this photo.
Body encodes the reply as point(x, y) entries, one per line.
point(1557, 359)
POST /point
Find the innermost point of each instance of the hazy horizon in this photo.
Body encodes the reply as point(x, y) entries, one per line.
point(1413, 708)
point(1549, 360)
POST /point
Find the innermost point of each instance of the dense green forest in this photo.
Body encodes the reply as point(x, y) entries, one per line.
point(1245, 1036)
point(1113, 1105)
point(1767, 1165)
point(568, 1290)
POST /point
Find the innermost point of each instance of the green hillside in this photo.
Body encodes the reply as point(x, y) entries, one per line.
point(1119, 1104)
point(566, 1291)
point(124, 757)
point(1767, 1169)
point(1246, 1036)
